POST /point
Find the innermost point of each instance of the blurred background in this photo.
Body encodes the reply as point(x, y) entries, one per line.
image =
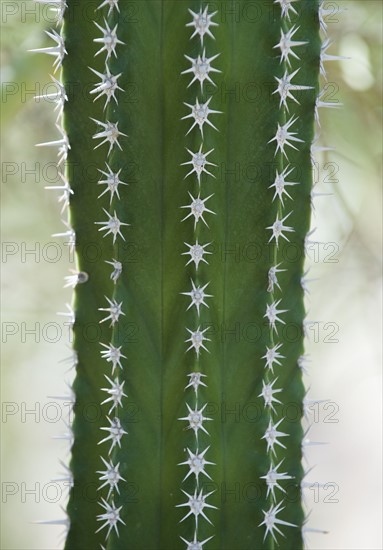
point(345, 343)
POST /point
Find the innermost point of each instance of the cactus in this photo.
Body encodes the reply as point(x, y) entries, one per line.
point(186, 146)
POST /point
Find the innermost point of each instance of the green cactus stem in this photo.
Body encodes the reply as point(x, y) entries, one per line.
point(186, 155)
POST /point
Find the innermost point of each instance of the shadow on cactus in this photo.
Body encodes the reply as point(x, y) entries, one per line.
point(186, 157)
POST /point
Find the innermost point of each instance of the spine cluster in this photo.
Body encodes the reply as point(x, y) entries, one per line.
point(109, 134)
point(316, 149)
point(285, 140)
point(58, 97)
point(107, 89)
point(200, 114)
point(199, 169)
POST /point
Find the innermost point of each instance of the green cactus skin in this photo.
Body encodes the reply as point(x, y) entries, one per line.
point(246, 154)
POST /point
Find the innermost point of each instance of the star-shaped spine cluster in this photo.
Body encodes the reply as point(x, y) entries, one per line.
point(285, 140)
point(202, 117)
point(290, 151)
point(56, 94)
point(202, 69)
point(109, 46)
point(323, 101)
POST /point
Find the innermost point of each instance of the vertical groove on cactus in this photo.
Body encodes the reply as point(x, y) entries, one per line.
point(189, 357)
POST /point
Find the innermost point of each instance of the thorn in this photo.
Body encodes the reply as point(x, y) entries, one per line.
point(280, 184)
point(66, 191)
point(57, 6)
point(73, 359)
point(272, 277)
point(272, 435)
point(302, 363)
point(196, 463)
point(77, 278)
point(108, 86)
point(196, 252)
point(111, 517)
point(197, 296)
point(202, 23)
point(286, 45)
point(196, 419)
point(58, 51)
point(111, 133)
point(195, 381)
point(326, 57)
point(199, 162)
point(112, 226)
point(278, 228)
point(324, 104)
point(115, 310)
point(62, 144)
point(70, 234)
point(268, 394)
point(197, 209)
point(69, 398)
point(197, 503)
point(285, 88)
point(117, 269)
point(59, 96)
point(116, 392)
point(201, 68)
point(109, 39)
point(305, 281)
point(70, 314)
point(200, 112)
point(271, 521)
point(286, 7)
point(112, 4)
point(272, 313)
point(273, 477)
point(112, 355)
point(272, 356)
point(283, 137)
point(115, 433)
point(197, 339)
point(112, 183)
point(111, 476)
point(66, 436)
